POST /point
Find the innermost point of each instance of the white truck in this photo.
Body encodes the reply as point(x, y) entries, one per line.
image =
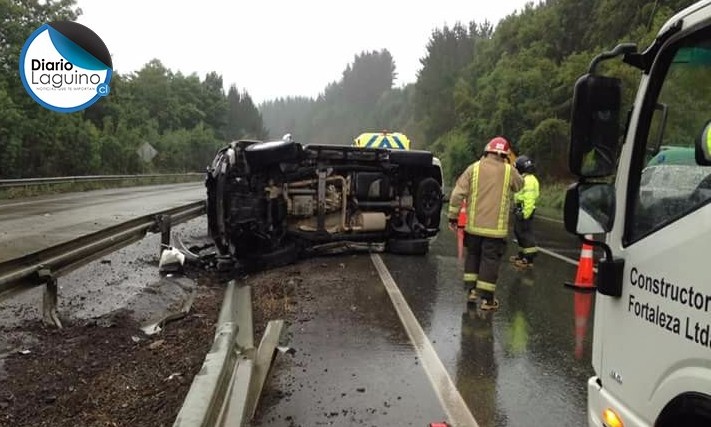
point(652, 331)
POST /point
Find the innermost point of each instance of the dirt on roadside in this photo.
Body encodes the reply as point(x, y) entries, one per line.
point(105, 371)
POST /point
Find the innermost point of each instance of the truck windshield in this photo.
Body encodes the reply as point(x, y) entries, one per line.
point(671, 183)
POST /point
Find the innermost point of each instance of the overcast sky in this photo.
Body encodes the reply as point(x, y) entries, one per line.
point(276, 48)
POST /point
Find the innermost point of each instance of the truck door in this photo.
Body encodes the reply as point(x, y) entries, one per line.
point(656, 337)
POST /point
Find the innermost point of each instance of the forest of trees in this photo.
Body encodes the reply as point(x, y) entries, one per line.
point(476, 81)
point(185, 118)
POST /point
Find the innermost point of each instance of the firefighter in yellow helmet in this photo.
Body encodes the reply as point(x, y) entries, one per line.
point(487, 185)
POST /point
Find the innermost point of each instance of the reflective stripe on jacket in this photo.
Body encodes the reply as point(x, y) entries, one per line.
point(487, 186)
point(528, 195)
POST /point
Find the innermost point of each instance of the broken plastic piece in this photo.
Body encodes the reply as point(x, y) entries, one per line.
point(171, 260)
point(286, 350)
point(187, 253)
point(174, 375)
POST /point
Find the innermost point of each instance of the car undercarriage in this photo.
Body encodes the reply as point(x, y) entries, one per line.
point(269, 203)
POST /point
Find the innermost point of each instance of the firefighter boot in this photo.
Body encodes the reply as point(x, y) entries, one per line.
point(473, 296)
point(524, 263)
point(515, 258)
point(489, 304)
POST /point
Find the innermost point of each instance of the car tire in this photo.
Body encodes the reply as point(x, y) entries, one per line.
point(428, 202)
point(285, 255)
point(270, 153)
point(408, 246)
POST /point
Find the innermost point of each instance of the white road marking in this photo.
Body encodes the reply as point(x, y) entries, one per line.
point(558, 256)
point(452, 402)
point(561, 257)
point(549, 219)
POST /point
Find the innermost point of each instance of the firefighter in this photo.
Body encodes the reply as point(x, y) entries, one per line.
point(525, 207)
point(487, 186)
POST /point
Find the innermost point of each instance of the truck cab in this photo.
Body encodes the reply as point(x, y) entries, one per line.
point(643, 192)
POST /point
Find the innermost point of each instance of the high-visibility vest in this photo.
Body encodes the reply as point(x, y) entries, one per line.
point(497, 225)
point(528, 195)
point(393, 140)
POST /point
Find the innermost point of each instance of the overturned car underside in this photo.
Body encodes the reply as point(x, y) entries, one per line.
point(269, 203)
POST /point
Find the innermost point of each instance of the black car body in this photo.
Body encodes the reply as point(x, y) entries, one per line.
point(270, 202)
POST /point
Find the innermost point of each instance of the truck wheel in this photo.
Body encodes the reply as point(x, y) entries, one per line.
point(270, 153)
point(688, 409)
point(408, 246)
point(428, 202)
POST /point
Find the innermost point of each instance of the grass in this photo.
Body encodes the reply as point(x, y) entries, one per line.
point(45, 189)
point(551, 199)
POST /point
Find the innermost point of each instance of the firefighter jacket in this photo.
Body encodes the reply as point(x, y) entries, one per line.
point(487, 185)
point(527, 197)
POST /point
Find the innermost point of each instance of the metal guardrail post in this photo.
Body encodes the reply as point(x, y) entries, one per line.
point(164, 225)
point(49, 298)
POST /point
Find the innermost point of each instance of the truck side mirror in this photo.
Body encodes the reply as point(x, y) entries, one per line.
point(595, 126)
point(589, 208)
point(703, 146)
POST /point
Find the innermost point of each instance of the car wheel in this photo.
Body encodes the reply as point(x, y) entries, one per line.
point(408, 246)
point(428, 202)
point(270, 153)
point(285, 255)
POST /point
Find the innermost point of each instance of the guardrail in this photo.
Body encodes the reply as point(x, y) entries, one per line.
point(45, 266)
point(24, 182)
point(226, 392)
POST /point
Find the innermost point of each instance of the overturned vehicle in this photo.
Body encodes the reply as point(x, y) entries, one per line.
point(269, 203)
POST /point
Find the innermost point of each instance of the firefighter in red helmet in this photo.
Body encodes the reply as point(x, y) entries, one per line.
point(487, 186)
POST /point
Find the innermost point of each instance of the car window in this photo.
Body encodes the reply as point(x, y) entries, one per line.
point(671, 184)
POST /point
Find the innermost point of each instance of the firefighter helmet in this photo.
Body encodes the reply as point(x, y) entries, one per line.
point(498, 145)
point(525, 165)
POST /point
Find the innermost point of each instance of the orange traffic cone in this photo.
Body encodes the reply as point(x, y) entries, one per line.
point(462, 219)
point(461, 223)
point(584, 276)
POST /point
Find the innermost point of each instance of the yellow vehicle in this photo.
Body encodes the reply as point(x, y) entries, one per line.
point(382, 139)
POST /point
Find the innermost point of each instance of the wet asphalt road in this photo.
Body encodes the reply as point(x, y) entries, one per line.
point(29, 225)
point(355, 363)
point(525, 365)
point(528, 363)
